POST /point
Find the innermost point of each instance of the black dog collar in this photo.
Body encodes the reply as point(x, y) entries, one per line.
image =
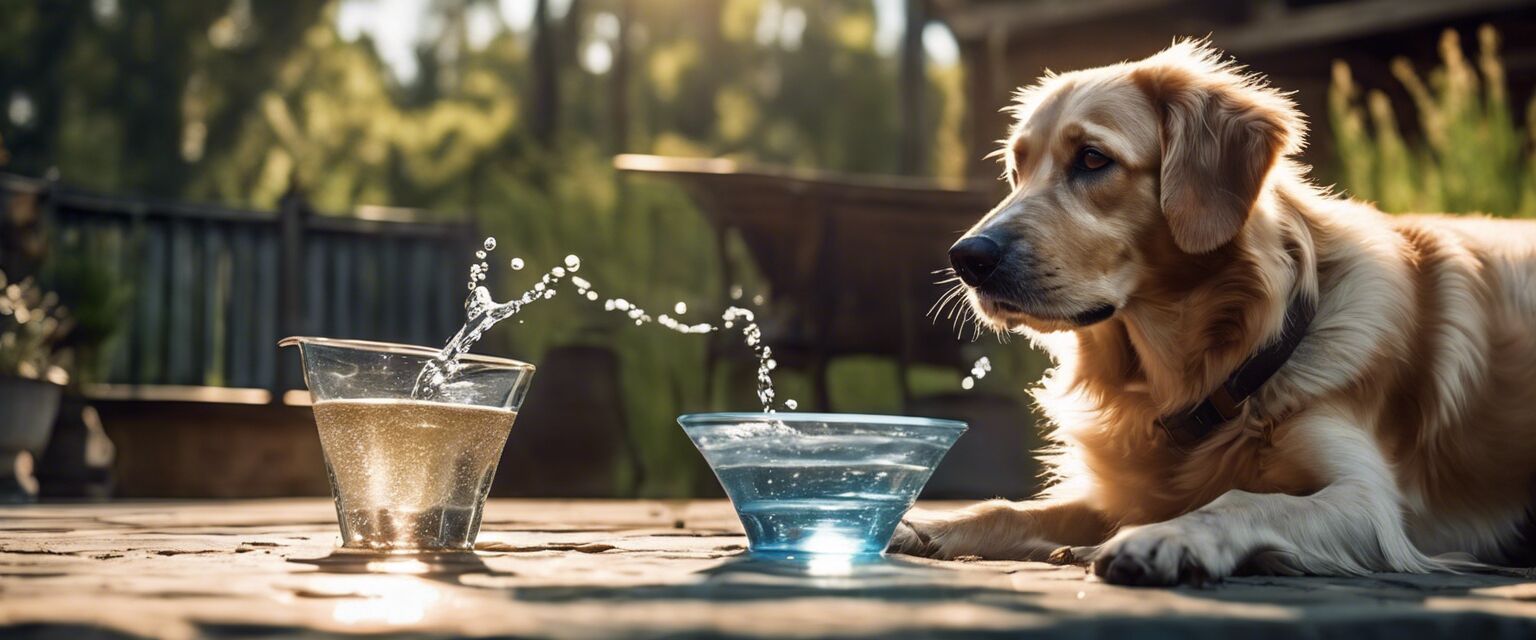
point(1189, 427)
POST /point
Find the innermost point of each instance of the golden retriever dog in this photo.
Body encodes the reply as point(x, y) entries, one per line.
point(1373, 376)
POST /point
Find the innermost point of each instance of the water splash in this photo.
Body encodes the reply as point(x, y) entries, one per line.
point(482, 312)
point(733, 316)
point(979, 370)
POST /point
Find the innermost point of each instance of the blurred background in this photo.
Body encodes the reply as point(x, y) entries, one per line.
point(183, 183)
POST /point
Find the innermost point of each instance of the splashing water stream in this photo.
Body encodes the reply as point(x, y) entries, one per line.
point(483, 312)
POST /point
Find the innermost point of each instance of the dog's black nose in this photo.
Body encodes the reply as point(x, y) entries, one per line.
point(975, 258)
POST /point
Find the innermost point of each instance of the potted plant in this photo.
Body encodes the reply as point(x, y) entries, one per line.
point(32, 377)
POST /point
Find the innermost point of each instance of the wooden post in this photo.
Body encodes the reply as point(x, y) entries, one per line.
point(914, 81)
point(618, 101)
point(546, 81)
point(292, 211)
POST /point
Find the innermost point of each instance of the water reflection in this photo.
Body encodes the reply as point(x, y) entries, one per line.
point(819, 570)
point(390, 600)
point(389, 589)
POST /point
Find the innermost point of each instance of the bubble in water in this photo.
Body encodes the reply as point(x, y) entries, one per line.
point(572, 262)
point(517, 264)
point(490, 244)
point(736, 292)
point(680, 308)
point(558, 272)
point(791, 404)
point(591, 295)
point(480, 255)
point(968, 383)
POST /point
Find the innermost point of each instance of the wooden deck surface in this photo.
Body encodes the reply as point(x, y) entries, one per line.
point(582, 569)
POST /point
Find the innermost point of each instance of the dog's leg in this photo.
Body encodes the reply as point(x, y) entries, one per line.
point(1001, 530)
point(1353, 525)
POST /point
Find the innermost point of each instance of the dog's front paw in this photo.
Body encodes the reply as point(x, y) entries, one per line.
point(1164, 554)
point(909, 539)
point(991, 530)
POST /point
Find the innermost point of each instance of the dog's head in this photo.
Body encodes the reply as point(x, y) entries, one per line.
point(1121, 176)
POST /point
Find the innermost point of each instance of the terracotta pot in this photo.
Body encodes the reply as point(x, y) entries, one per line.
point(27, 410)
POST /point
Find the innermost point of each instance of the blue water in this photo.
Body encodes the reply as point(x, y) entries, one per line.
point(821, 506)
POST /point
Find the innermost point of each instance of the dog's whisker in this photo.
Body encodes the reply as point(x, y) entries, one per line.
point(938, 306)
point(956, 303)
point(960, 319)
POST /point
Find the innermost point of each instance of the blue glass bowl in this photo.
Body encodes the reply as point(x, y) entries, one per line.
point(820, 483)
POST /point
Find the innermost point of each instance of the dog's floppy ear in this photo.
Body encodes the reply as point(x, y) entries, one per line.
point(1222, 132)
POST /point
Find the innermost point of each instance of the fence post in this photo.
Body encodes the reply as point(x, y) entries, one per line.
point(292, 213)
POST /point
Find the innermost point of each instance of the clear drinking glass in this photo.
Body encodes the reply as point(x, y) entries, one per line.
point(408, 474)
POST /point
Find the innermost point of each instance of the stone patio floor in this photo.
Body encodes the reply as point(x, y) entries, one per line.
point(583, 569)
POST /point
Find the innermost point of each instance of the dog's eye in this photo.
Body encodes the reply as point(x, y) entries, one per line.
point(1091, 159)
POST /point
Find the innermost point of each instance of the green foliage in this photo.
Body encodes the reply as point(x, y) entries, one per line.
point(1465, 154)
point(33, 327)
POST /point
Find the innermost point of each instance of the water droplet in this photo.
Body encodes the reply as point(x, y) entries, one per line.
point(591, 295)
point(968, 383)
point(680, 308)
point(572, 262)
point(759, 300)
point(736, 292)
point(517, 264)
point(558, 272)
point(490, 244)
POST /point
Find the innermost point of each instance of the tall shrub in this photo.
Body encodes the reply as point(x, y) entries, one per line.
point(1463, 151)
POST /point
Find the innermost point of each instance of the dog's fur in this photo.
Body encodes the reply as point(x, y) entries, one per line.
point(1400, 435)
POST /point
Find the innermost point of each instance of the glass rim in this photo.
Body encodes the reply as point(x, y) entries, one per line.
point(709, 419)
point(403, 349)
